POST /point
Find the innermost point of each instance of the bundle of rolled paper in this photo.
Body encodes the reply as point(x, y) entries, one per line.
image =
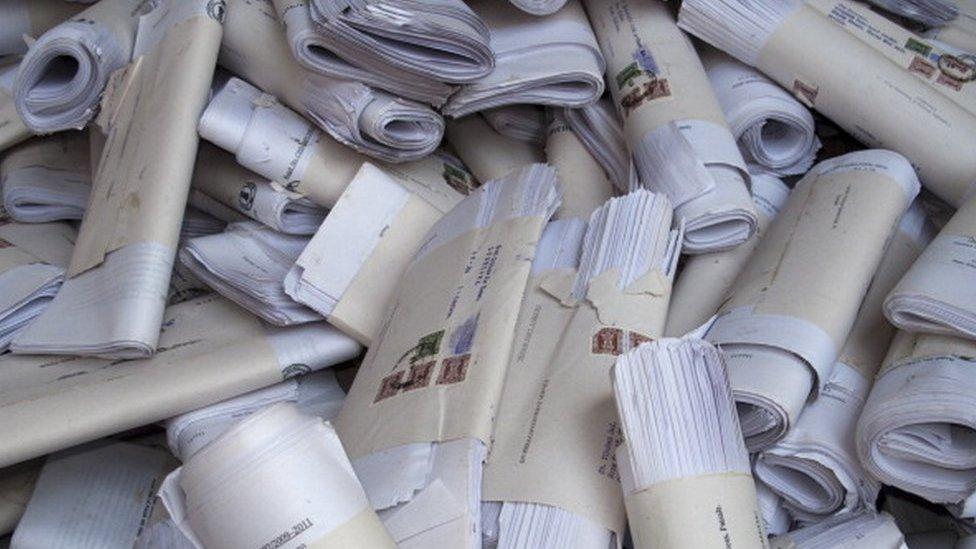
point(500, 274)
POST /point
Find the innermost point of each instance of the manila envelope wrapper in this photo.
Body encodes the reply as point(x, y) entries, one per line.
point(210, 350)
point(913, 108)
point(487, 153)
point(140, 188)
point(585, 185)
point(12, 127)
point(562, 382)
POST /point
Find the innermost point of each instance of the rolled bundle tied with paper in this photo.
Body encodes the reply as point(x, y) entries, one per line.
point(221, 178)
point(932, 13)
point(114, 296)
point(32, 264)
point(277, 476)
point(772, 127)
point(815, 467)
point(862, 530)
point(369, 120)
point(776, 519)
point(420, 412)
point(793, 305)
point(13, 130)
point(916, 430)
point(316, 394)
point(61, 79)
point(24, 18)
point(673, 124)
point(315, 50)
point(683, 461)
point(554, 60)
point(557, 403)
point(488, 154)
point(539, 7)
point(936, 295)
point(247, 264)
point(349, 271)
point(885, 86)
point(585, 186)
point(47, 178)
point(599, 129)
point(705, 280)
point(520, 122)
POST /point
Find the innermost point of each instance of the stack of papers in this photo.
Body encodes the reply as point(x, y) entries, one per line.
point(488, 154)
point(118, 479)
point(47, 178)
point(60, 81)
point(247, 264)
point(210, 350)
point(349, 271)
point(818, 51)
point(916, 428)
point(33, 258)
point(937, 295)
point(121, 265)
point(316, 394)
point(706, 279)
point(598, 127)
point(519, 122)
point(792, 307)
point(773, 128)
point(417, 434)
point(556, 417)
point(371, 121)
point(683, 460)
point(862, 530)
point(279, 476)
point(815, 468)
point(585, 185)
point(553, 60)
point(673, 124)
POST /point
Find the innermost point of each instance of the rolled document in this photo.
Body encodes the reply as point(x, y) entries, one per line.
point(917, 426)
point(277, 475)
point(932, 13)
point(539, 7)
point(316, 49)
point(815, 468)
point(16, 486)
point(775, 518)
point(210, 350)
point(317, 394)
point(705, 280)
point(61, 79)
point(371, 121)
point(30, 18)
point(960, 32)
point(220, 177)
point(349, 271)
point(12, 127)
point(673, 124)
point(585, 187)
point(684, 469)
point(32, 263)
point(937, 295)
point(112, 301)
point(247, 264)
point(791, 309)
point(772, 127)
point(862, 530)
point(93, 496)
point(556, 417)
point(47, 178)
point(488, 154)
point(884, 85)
point(598, 127)
point(519, 122)
point(418, 419)
point(552, 60)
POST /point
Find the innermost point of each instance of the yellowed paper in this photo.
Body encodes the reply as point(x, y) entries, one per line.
point(585, 185)
point(487, 153)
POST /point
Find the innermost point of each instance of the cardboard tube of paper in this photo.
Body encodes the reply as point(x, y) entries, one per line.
point(585, 185)
point(700, 512)
point(487, 153)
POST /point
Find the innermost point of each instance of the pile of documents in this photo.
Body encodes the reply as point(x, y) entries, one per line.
point(499, 274)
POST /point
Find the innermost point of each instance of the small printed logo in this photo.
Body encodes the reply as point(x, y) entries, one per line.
point(217, 10)
point(961, 68)
point(246, 196)
point(806, 93)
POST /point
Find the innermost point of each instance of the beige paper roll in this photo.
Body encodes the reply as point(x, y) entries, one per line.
point(585, 185)
point(487, 153)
